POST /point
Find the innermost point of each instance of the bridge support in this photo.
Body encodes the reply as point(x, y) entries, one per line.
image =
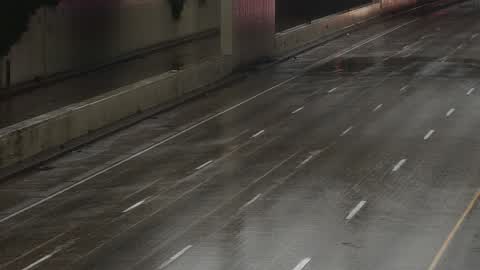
point(248, 29)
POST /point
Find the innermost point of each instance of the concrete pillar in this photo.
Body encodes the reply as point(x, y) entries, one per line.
point(248, 29)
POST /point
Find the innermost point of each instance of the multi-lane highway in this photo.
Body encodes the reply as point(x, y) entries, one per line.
point(361, 153)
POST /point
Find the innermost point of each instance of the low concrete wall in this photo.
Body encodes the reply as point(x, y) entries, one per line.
point(79, 34)
point(302, 35)
point(32, 137)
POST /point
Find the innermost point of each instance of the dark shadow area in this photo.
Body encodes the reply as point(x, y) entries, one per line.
point(415, 66)
point(14, 20)
point(292, 13)
point(28, 104)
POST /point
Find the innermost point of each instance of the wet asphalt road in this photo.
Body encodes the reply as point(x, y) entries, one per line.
point(360, 154)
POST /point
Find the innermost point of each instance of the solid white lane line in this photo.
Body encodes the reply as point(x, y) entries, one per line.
point(378, 107)
point(174, 257)
point(251, 201)
point(134, 206)
point(302, 264)
point(399, 165)
point(258, 134)
point(204, 165)
point(474, 36)
point(355, 210)
point(470, 91)
point(429, 134)
point(450, 112)
point(404, 88)
point(332, 90)
point(298, 110)
point(346, 131)
point(84, 179)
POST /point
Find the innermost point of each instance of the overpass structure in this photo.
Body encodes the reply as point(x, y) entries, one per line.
point(78, 35)
point(351, 142)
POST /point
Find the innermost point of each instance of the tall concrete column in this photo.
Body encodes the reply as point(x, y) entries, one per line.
point(248, 29)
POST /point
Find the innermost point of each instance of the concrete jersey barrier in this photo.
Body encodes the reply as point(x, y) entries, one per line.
point(34, 136)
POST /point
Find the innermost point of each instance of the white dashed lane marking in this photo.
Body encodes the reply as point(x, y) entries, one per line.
point(204, 165)
point(378, 107)
point(346, 131)
point(304, 162)
point(450, 112)
point(251, 201)
point(298, 110)
point(175, 257)
point(399, 165)
point(429, 134)
point(134, 206)
point(258, 134)
point(355, 210)
point(332, 90)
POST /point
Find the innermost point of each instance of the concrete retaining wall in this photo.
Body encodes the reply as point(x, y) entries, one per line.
point(51, 130)
point(304, 34)
point(79, 34)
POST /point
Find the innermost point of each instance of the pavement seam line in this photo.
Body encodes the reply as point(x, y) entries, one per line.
point(453, 232)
